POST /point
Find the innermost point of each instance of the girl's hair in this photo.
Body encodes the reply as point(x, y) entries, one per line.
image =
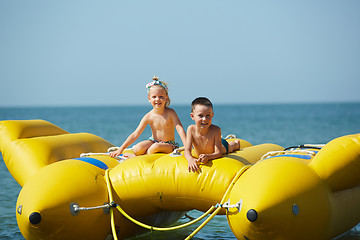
point(201, 101)
point(162, 84)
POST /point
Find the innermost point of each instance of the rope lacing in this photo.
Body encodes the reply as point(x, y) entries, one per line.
point(230, 136)
point(118, 158)
point(278, 153)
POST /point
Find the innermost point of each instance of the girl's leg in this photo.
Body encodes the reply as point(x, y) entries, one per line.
point(142, 147)
point(160, 147)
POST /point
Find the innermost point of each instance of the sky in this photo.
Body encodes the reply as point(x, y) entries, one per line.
point(99, 53)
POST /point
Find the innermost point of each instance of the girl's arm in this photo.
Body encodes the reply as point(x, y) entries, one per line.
point(188, 145)
point(132, 137)
point(179, 128)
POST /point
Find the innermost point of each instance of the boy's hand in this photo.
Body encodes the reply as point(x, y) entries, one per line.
point(193, 165)
point(203, 158)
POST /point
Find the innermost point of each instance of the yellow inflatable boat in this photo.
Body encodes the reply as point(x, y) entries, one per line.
point(265, 191)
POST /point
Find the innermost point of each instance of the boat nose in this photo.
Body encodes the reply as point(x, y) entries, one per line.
point(35, 218)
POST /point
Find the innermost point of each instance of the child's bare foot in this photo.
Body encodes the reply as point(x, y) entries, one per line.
point(128, 155)
point(237, 144)
point(234, 145)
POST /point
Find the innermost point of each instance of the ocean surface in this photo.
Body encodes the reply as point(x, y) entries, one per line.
point(283, 124)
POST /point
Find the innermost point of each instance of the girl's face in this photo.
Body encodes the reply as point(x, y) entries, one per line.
point(202, 115)
point(157, 96)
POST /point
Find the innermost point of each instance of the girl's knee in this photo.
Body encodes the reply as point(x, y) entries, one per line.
point(156, 148)
point(136, 150)
point(153, 149)
point(140, 149)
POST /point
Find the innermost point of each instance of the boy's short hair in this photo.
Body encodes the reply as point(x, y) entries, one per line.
point(201, 101)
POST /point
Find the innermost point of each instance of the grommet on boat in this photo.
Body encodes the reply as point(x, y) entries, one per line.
point(35, 218)
point(252, 215)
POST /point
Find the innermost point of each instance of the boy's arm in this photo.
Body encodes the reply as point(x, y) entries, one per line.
point(192, 162)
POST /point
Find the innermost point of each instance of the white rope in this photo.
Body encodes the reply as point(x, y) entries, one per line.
point(177, 152)
point(119, 158)
point(230, 136)
point(91, 154)
point(227, 205)
point(314, 145)
point(111, 149)
point(277, 153)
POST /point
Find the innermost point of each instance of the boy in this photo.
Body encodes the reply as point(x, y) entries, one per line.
point(204, 136)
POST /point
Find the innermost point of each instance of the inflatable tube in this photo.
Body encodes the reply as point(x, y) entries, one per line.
point(294, 194)
point(166, 183)
point(29, 145)
point(155, 189)
point(291, 197)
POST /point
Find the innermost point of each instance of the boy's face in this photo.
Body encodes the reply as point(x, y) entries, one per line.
point(202, 115)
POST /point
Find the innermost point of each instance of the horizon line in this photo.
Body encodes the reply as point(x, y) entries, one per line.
point(179, 104)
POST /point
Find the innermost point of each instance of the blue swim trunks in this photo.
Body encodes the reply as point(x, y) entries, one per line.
point(225, 144)
point(174, 144)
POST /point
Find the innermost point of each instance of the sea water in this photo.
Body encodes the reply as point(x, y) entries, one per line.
point(283, 124)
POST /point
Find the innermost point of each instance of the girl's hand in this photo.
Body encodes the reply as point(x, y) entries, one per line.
point(203, 158)
point(193, 165)
point(115, 153)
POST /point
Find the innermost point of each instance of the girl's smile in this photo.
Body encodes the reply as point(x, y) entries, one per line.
point(157, 97)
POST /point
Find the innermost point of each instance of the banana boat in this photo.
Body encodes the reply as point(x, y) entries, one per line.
point(265, 191)
point(291, 196)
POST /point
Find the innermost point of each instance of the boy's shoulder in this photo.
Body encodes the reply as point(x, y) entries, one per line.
point(214, 130)
point(214, 127)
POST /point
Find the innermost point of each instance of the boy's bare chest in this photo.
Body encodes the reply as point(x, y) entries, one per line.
point(205, 143)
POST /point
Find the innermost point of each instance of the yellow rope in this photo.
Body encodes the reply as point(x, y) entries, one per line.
point(242, 170)
point(165, 228)
point(111, 209)
point(239, 173)
point(142, 224)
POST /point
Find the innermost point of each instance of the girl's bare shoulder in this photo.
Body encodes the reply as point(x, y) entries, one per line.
point(169, 110)
point(191, 128)
point(148, 115)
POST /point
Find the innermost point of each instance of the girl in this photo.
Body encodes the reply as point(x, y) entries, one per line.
point(162, 120)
